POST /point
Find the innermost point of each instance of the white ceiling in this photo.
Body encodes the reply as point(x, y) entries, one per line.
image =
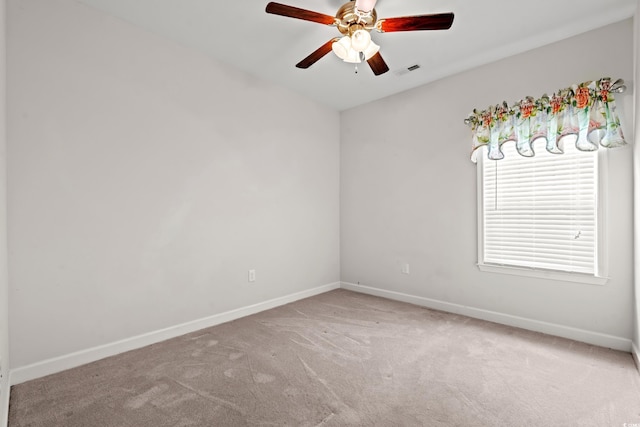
point(241, 34)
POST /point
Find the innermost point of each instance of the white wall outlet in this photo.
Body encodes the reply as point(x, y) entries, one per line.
point(252, 275)
point(405, 268)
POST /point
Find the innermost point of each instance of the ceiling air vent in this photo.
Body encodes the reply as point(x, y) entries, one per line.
point(404, 71)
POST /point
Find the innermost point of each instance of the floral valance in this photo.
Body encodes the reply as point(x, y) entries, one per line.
point(584, 114)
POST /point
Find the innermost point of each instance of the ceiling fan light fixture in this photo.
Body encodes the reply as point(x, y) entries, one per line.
point(354, 20)
point(342, 47)
point(360, 40)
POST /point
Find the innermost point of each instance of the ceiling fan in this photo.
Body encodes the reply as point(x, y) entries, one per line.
point(355, 20)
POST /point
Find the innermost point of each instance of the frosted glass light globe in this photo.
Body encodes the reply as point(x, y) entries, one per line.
point(360, 40)
point(371, 50)
point(342, 47)
point(353, 57)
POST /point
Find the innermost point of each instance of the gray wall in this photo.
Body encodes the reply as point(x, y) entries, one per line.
point(636, 321)
point(146, 179)
point(4, 285)
point(408, 190)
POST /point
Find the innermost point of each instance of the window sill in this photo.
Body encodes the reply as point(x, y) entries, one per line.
point(545, 274)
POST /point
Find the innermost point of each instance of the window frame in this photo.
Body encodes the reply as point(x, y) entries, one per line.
point(601, 264)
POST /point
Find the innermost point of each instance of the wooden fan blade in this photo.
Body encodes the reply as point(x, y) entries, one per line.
point(438, 21)
point(377, 64)
point(317, 54)
point(296, 12)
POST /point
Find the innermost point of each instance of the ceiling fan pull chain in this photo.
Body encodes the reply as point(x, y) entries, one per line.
point(362, 58)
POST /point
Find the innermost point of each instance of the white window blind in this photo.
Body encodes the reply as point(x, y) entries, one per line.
point(541, 212)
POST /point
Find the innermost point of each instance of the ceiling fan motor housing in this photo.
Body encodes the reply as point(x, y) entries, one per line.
point(348, 15)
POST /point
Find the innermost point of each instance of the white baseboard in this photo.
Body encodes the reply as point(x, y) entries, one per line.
point(636, 355)
point(5, 389)
point(61, 363)
point(589, 337)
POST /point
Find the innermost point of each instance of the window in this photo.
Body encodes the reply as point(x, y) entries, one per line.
point(539, 215)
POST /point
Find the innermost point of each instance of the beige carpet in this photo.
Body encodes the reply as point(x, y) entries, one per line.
point(341, 359)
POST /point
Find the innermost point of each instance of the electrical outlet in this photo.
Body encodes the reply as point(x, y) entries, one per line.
point(252, 275)
point(405, 268)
